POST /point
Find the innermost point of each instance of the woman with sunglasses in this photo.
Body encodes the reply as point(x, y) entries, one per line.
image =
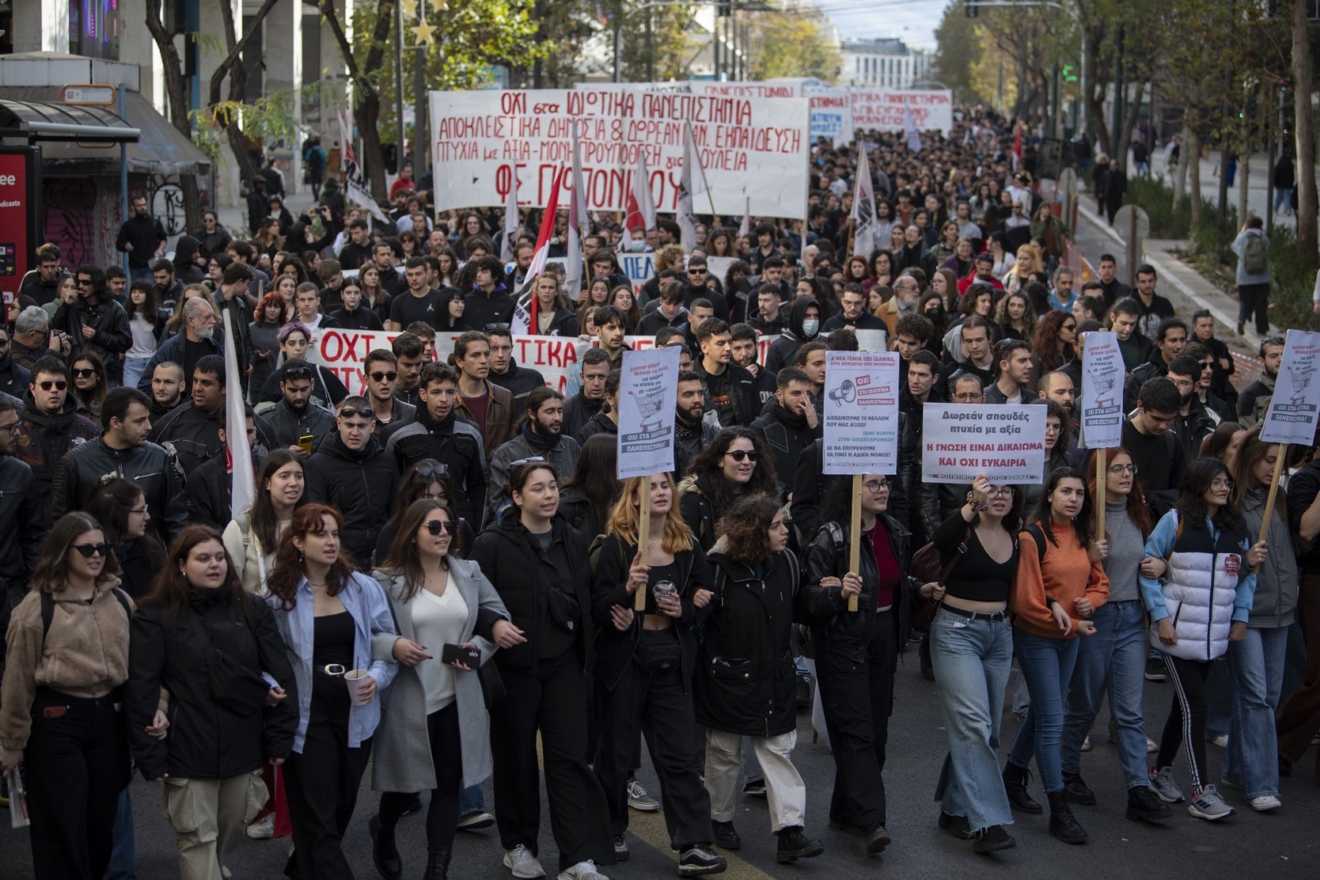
point(857, 652)
point(1201, 602)
point(427, 479)
point(216, 650)
point(121, 509)
point(1113, 659)
point(540, 569)
point(434, 736)
point(66, 661)
point(88, 377)
point(971, 650)
point(1060, 583)
point(328, 615)
point(730, 466)
point(1056, 334)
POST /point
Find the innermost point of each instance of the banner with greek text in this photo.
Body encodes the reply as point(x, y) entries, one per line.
point(1291, 415)
point(861, 412)
point(751, 147)
point(962, 440)
point(882, 110)
point(1102, 392)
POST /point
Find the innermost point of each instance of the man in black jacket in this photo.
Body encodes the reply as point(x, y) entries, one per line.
point(94, 322)
point(789, 426)
point(352, 472)
point(1169, 343)
point(166, 389)
point(730, 390)
point(438, 433)
point(14, 379)
point(123, 450)
point(209, 492)
point(142, 237)
point(20, 532)
point(691, 430)
point(505, 372)
point(746, 350)
point(583, 406)
point(488, 302)
point(49, 429)
point(296, 421)
point(43, 282)
point(192, 430)
point(1114, 290)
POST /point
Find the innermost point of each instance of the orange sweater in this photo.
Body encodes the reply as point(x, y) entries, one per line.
point(1066, 574)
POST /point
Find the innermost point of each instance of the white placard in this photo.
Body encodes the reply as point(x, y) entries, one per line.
point(1102, 391)
point(872, 340)
point(882, 110)
point(831, 113)
point(1291, 416)
point(640, 268)
point(961, 440)
point(751, 147)
point(861, 412)
point(648, 400)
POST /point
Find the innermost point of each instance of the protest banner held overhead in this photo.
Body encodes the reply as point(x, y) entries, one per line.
point(1291, 415)
point(961, 440)
point(883, 110)
point(751, 147)
point(1102, 392)
point(861, 412)
point(648, 400)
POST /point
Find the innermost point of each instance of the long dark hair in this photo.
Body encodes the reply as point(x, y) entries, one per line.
point(171, 589)
point(52, 569)
point(97, 396)
point(288, 571)
point(745, 529)
point(1191, 504)
point(261, 516)
point(404, 558)
point(707, 463)
point(1249, 454)
point(1046, 344)
point(416, 480)
point(1043, 515)
point(109, 504)
point(1137, 510)
point(594, 475)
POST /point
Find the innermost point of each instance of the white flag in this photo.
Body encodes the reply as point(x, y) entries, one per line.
point(243, 485)
point(579, 223)
point(745, 228)
point(510, 220)
point(863, 216)
point(641, 192)
point(354, 187)
point(910, 132)
point(686, 216)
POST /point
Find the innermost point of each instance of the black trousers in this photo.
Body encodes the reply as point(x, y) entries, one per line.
point(447, 758)
point(1254, 302)
point(659, 705)
point(858, 699)
point(75, 765)
point(321, 785)
point(553, 700)
point(1186, 722)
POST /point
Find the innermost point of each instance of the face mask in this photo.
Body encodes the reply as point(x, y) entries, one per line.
point(810, 326)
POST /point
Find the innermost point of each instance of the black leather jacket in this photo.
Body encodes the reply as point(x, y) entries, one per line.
point(150, 466)
point(287, 424)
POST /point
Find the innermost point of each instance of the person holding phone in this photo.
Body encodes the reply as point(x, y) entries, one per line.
point(434, 736)
point(328, 615)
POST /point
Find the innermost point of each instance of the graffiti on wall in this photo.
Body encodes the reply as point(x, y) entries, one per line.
point(72, 219)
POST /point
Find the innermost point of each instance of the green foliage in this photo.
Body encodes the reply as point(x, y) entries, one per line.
point(267, 120)
point(790, 43)
point(957, 50)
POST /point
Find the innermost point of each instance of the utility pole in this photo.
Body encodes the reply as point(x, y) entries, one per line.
point(421, 114)
point(398, 84)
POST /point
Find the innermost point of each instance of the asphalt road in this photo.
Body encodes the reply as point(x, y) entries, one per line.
point(1282, 844)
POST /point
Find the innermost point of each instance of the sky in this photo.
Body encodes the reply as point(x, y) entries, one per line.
point(912, 21)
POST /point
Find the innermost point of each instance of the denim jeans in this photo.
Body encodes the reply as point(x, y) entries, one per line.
point(471, 800)
point(1256, 664)
point(140, 274)
point(1047, 665)
point(133, 367)
point(123, 855)
point(971, 660)
point(1115, 657)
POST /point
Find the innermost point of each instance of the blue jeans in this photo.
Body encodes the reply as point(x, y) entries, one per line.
point(1256, 664)
point(1047, 665)
point(1282, 197)
point(471, 800)
point(971, 660)
point(133, 367)
point(136, 274)
point(123, 856)
point(1115, 657)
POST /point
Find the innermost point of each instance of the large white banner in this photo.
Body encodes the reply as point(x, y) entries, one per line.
point(648, 400)
point(861, 412)
point(752, 148)
point(1102, 392)
point(831, 113)
point(962, 440)
point(882, 109)
point(1291, 416)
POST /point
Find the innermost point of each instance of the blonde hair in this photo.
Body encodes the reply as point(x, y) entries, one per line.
point(625, 518)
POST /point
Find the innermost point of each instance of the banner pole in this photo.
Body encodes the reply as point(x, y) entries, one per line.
point(643, 541)
point(1274, 492)
point(855, 534)
point(1100, 488)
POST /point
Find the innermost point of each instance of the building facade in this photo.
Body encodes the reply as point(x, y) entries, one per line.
point(884, 63)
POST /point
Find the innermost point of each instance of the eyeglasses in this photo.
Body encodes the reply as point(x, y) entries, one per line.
point(436, 526)
point(384, 377)
point(999, 492)
point(140, 511)
point(1221, 484)
point(9, 427)
point(83, 373)
point(875, 487)
point(349, 412)
point(90, 550)
point(1070, 327)
point(1117, 469)
point(82, 282)
point(58, 385)
point(4, 343)
point(696, 271)
point(969, 396)
point(522, 461)
point(739, 454)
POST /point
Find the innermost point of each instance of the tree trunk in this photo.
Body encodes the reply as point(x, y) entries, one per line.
point(367, 116)
point(1244, 163)
point(1180, 173)
point(232, 66)
point(1129, 122)
point(1307, 244)
point(1192, 153)
point(177, 91)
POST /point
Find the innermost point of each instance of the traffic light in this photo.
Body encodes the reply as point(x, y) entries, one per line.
point(724, 8)
point(971, 9)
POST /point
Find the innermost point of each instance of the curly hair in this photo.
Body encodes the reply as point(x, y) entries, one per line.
point(1046, 342)
point(708, 463)
point(289, 567)
point(745, 529)
point(1028, 316)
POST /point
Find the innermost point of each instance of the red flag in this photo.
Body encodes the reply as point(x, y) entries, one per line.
point(1017, 144)
point(538, 259)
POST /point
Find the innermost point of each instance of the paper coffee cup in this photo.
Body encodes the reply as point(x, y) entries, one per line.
point(356, 679)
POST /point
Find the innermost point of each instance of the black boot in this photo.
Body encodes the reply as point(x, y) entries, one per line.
point(1015, 784)
point(1062, 823)
point(1077, 790)
point(384, 852)
point(437, 864)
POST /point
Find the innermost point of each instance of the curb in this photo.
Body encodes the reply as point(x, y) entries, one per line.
point(1099, 222)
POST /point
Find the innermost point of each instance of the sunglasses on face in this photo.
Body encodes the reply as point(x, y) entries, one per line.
point(490, 327)
point(349, 412)
point(740, 454)
point(436, 526)
point(385, 377)
point(90, 550)
point(83, 373)
point(58, 385)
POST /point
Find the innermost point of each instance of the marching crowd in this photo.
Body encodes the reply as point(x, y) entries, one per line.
point(439, 576)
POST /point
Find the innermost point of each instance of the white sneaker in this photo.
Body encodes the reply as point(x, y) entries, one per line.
point(1086, 743)
point(1220, 742)
point(582, 871)
point(523, 864)
point(262, 829)
point(1265, 802)
point(1151, 746)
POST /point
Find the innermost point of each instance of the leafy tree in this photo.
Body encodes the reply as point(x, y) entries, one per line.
point(789, 43)
point(958, 48)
